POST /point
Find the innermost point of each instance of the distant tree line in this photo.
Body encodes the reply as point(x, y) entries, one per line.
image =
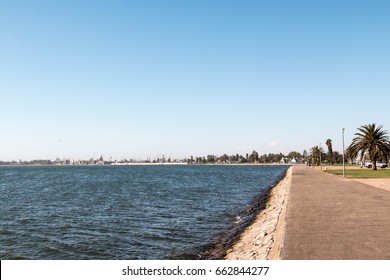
point(254, 157)
point(318, 153)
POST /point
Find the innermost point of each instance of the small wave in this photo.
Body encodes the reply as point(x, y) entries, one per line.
point(6, 232)
point(50, 251)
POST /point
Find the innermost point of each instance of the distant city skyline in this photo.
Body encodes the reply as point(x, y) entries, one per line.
point(132, 79)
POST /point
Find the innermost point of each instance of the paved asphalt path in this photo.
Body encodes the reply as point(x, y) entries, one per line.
point(332, 218)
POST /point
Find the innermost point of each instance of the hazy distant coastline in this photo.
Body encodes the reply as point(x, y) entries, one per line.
point(13, 164)
point(253, 158)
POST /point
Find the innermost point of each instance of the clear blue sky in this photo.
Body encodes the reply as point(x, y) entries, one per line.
point(132, 79)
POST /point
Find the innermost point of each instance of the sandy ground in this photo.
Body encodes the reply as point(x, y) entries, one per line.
point(263, 238)
point(380, 183)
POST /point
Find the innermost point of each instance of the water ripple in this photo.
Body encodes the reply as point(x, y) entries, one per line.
point(131, 212)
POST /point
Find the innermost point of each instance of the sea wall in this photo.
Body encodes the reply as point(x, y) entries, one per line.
point(263, 238)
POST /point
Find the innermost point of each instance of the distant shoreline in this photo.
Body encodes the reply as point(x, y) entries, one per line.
point(151, 164)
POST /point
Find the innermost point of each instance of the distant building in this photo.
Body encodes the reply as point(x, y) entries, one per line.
point(284, 160)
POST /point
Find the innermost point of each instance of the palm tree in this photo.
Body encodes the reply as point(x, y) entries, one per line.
point(330, 150)
point(373, 141)
point(315, 155)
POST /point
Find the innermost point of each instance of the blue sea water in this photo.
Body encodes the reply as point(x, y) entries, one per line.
point(125, 212)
